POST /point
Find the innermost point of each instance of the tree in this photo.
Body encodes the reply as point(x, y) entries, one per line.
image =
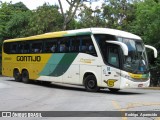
point(11, 18)
point(147, 21)
point(20, 7)
point(147, 24)
point(90, 18)
point(119, 14)
point(17, 25)
point(45, 19)
point(73, 6)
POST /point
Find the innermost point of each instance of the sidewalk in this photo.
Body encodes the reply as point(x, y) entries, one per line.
point(152, 88)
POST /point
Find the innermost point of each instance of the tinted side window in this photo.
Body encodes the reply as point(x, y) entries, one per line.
point(74, 45)
point(50, 46)
point(13, 47)
point(36, 46)
point(26, 47)
point(6, 47)
point(86, 45)
point(19, 47)
point(64, 45)
point(113, 56)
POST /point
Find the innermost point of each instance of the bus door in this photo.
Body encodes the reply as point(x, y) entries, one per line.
point(111, 72)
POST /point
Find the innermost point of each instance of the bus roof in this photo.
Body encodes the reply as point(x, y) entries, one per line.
point(115, 32)
point(79, 32)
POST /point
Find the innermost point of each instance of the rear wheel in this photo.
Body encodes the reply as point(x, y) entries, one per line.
point(25, 76)
point(113, 89)
point(17, 76)
point(90, 83)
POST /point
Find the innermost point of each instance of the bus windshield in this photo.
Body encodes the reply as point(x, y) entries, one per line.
point(136, 61)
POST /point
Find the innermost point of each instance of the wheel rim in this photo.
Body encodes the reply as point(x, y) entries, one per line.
point(91, 84)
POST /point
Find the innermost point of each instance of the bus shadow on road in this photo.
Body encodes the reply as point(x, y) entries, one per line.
point(79, 88)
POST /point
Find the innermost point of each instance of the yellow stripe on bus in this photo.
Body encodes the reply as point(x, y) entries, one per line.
point(43, 36)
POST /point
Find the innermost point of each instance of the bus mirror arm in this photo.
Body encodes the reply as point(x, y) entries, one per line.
point(122, 45)
point(153, 48)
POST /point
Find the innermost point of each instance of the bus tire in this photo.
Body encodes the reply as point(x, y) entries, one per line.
point(25, 76)
point(17, 76)
point(90, 83)
point(113, 90)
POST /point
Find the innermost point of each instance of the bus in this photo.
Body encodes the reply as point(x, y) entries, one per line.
point(93, 57)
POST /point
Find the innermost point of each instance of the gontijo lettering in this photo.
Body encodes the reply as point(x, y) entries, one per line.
point(29, 58)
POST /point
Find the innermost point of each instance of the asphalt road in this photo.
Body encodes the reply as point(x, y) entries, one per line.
point(17, 96)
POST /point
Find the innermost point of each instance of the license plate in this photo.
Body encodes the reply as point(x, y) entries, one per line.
point(140, 85)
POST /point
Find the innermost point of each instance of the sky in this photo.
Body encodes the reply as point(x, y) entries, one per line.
point(33, 4)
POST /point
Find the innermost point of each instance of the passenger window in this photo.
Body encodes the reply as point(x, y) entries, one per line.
point(75, 45)
point(113, 56)
point(87, 45)
point(26, 48)
point(51, 46)
point(64, 45)
point(19, 47)
point(36, 47)
point(7, 47)
point(14, 48)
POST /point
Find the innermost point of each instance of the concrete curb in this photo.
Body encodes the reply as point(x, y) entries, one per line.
point(152, 88)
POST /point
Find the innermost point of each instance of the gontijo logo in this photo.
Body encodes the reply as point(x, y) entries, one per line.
point(110, 82)
point(29, 58)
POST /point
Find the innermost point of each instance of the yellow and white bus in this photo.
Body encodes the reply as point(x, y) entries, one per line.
point(93, 57)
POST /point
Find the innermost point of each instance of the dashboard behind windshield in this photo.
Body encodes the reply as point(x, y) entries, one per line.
point(136, 61)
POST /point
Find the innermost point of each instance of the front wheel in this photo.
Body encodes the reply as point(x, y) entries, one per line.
point(90, 83)
point(113, 89)
point(25, 76)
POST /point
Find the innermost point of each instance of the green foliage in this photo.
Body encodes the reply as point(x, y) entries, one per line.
point(147, 25)
point(20, 7)
point(119, 14)
point(12, 19)
point(148, 21)
point(90, 18)
point(16, 27)
point(45, 19)
point(16, 20)
point(5, 16)
point(157, 62)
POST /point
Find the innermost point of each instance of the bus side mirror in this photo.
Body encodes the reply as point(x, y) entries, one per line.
point(154, 50)
point(122, 45)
